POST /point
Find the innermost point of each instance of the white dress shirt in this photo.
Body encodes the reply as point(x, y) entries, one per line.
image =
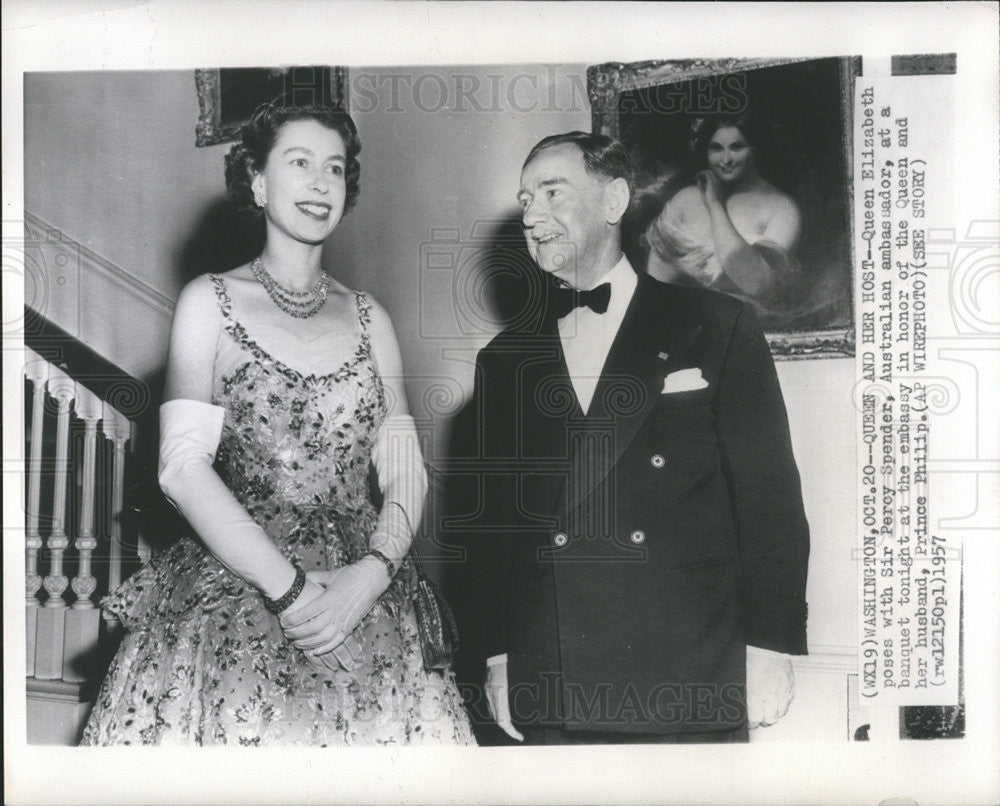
point(587, 336)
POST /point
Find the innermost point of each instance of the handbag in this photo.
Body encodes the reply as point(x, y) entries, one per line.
point(435, 622)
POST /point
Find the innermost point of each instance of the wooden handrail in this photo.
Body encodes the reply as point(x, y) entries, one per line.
point(130, 396)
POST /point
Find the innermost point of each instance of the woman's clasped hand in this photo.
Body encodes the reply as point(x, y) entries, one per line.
point(332, 603)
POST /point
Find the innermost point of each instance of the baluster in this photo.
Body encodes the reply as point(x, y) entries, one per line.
point(83, 619)
point(143, 547)
point(36, 369)
point(51, 617)
point(117, 429)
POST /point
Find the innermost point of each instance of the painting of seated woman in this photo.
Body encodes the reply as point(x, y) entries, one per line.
point(743, 185)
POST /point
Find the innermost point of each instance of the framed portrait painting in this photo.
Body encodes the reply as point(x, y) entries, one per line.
point(767, 141)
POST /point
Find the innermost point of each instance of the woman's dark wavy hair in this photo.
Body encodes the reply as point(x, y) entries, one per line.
point(257, 138)
point(703, 129)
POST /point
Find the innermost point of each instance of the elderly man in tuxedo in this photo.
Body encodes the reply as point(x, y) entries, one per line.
point(643, 563)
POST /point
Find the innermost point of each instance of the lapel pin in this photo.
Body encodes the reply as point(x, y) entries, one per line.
point(663, 356)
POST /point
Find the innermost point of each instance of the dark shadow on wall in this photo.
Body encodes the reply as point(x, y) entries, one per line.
point(510, 292)
point(220, 241)
point(515, 288)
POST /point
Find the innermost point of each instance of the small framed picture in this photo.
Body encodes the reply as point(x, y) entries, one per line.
point(228, 96)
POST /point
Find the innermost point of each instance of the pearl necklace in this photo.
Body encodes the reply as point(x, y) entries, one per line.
point(300, 304)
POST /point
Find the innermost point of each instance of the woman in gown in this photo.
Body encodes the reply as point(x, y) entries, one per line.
point(289, 620)
point(732, 230)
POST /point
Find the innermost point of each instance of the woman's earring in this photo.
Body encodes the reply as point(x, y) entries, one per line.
point(259, 197)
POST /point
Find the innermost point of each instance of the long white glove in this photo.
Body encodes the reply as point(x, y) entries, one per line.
point(403, 482)
point(189, 437)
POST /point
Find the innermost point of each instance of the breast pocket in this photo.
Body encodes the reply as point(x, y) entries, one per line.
point(692, 398)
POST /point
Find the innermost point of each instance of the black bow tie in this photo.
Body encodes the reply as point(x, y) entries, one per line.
point(564, 300)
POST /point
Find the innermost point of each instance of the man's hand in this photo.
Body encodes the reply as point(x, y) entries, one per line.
point(770, 686)
point(497, 699)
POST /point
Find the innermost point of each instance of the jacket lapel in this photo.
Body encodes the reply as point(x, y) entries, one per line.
point(548, 399)
point(653, 341)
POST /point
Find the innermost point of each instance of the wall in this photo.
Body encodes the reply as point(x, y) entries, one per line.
point(115, 192)
point(817, 396)
point(110, 158)
point(110, 162)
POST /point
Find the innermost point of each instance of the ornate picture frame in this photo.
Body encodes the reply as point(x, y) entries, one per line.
point(652, 107)
point(227, 96)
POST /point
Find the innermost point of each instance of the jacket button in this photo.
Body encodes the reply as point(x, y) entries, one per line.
point(638, 536)
point(560, 539)
point(657, 461)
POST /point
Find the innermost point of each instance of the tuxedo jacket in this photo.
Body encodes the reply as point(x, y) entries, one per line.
point(631, 553)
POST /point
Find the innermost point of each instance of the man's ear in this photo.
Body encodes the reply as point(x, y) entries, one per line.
point(616, 197)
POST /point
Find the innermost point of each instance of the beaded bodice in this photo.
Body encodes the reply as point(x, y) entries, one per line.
point(295, 445)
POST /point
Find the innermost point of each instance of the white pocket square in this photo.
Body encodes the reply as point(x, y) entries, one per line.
point(684, 380)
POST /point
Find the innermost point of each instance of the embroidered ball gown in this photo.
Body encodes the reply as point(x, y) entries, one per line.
point(202, 661)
